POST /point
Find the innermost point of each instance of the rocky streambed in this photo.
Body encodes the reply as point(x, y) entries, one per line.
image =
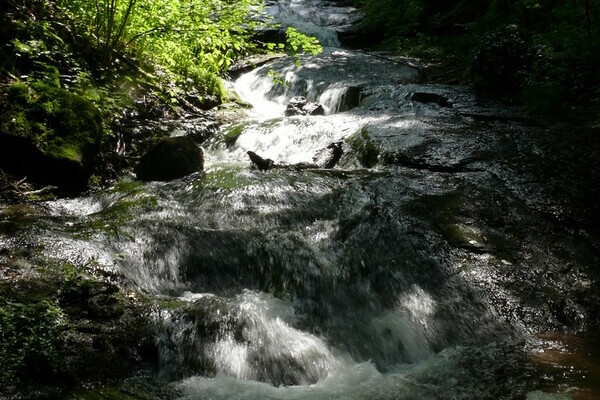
point(451, 252)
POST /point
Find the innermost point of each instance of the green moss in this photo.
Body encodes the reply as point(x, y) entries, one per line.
point(18, 124)
point(113, 219)
point(126, 187)
point(225, 179)
point(366, 152)
point(61, 124)
point(19, 93)
point(233, 134)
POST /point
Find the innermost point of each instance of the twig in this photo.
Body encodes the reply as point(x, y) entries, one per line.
point(40, 191)
point(18, 193)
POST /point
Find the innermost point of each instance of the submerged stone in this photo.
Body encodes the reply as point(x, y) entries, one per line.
point(170, 158)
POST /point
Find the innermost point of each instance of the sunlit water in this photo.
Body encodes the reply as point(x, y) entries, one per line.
point(350, 283)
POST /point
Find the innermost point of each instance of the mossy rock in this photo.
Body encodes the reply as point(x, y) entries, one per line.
point(49, 135)
point(366, 152)
point(233, 134)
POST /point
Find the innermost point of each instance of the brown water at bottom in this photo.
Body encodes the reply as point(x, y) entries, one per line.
point(570, 364)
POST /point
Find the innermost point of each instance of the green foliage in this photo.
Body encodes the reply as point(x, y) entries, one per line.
point(34, 49)
point(501, 60)
point(298, 42)
point(109, 23)
point(61, 327)
point(192, 42)
point(387, 18)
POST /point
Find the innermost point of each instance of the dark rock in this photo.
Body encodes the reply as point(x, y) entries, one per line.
point(91, 299)
point(330, 156)
point(336, 152)
point(428, 98)
point(351, 98)
point(66, 331)
point(276, 35)
point(327, 158)
point(295, 106)
point(364, 148)
point(206, 102)
point(169, 159)
point(49, 135)
point(316, 109)
point(301, 106)
point(263, 164)
point(200, 129)
point(359, 39)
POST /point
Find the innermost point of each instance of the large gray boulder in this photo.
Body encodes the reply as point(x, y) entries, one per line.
point(169, 159)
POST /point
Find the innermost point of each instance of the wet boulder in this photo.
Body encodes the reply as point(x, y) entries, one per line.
point(170, 158)
point(301, 106)
point(200, 129)
point(366, 152)
point(263, 164)
point(65, 329)
point(49, 135)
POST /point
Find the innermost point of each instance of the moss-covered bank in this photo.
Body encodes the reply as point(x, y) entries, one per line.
point(61, 328)
point(48, 134)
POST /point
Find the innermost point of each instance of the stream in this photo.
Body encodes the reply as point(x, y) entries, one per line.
point(452, 252)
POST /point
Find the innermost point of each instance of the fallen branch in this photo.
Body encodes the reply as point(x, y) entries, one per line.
point(265, 164)
point(43, 190)
point(20, 191)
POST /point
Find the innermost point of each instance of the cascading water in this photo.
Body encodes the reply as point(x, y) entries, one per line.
point(369, 280)
point(318, 18)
